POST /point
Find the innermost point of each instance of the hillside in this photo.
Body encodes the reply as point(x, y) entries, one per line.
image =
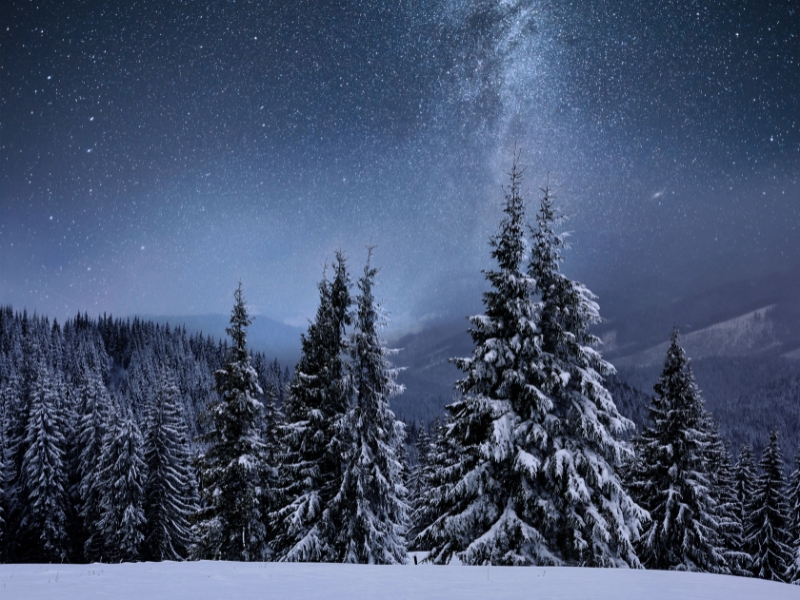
point(287, 581)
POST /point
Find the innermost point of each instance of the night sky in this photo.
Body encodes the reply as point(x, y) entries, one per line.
point(154, 153)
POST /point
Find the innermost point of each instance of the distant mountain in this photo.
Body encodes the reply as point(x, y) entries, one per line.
point(273, 338)
point(748, 316)
point(427, 374)
point(755, 332)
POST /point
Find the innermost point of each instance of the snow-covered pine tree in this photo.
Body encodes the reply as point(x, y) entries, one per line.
point(370, 509)
point(723, 489)
point(486, 505)
point(170, 490)
point(589, 517)
point(231, 522)
point(419, 481)
point(5, 459)
point(318, 398)
point(16, 399)
point(671, 478)
point(93, 415)
point(744, 477)
point(444, 461)
point(793, 573)
point(43, 535)
point(769, 515)
point(123, 476)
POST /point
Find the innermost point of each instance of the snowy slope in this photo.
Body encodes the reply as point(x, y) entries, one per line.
point(245, 581)
point(750, 333)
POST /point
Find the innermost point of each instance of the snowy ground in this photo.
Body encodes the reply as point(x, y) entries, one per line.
point(245, 581)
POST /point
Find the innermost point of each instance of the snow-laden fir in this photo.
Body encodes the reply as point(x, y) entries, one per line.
point(534, 478)
point(671, 475)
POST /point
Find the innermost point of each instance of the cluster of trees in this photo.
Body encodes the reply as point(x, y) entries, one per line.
point(532, 466)
point(134, 442)
point(98, 421)
point(321, 478)
point(705, 513)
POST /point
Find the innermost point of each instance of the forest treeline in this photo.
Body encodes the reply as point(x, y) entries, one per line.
point(127, 441)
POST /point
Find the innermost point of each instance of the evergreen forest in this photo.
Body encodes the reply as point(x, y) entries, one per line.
point(126, 440)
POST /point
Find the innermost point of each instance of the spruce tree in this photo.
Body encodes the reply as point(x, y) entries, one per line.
point(769, 514)
point(5, 462)
point(485, 503)
point(231, 523)
point(589, 518)
point(93, 415)
point(793, 573)
point(744, 476)
point(541, 439)
point(122, 518)
point(419, 481)
point(434, 499)
point(729, 518)
point(311, 469)
point(369, 508)
point(43, 536)
point(170, 490)
point(671, 478)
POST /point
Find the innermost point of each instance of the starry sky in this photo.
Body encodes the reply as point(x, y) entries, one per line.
point(155, 152)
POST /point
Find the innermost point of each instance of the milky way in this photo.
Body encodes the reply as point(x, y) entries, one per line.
point(152, 154)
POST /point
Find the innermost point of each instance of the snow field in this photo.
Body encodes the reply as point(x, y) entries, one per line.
point(205, 580)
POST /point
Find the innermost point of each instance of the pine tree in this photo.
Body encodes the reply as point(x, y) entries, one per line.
point(5, 462)
point(592, 519)
point(370, 508)
point(434, 499)
point(729, 518)
point(744, 476)
point(540, 437)
point(170, 490)
point(486, 503)
point(230, 524)
point(93, 414)
point(43, 537)
point(419, 481)
point(793, 573)
point(671, 478)
point(769, 514)
point(311, 470)
point(122, 518)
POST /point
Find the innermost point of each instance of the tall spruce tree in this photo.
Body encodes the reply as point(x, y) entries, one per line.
point(170, 489)
point(231, 523)
point(729, 518)
point(590, 519)
point(370, 508)
point(43, 535)
point(744, 477)
point(93, 415)
point(485, 504)
point(311, 465)
point(536, 481)
point(769, 514)
point(671, 478)
point(122, 517)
